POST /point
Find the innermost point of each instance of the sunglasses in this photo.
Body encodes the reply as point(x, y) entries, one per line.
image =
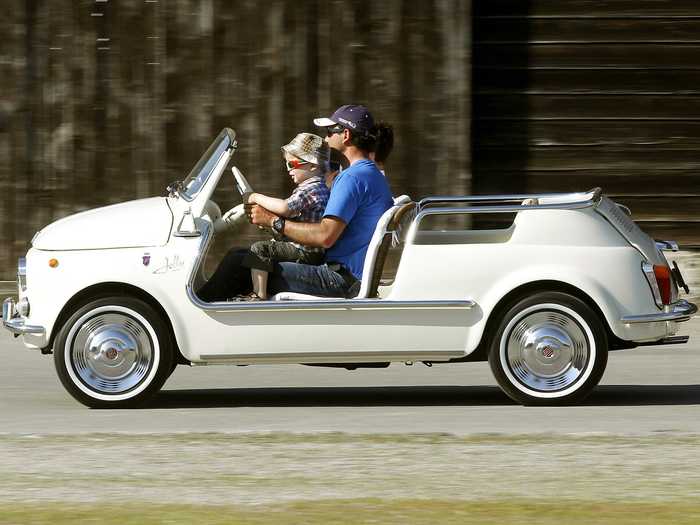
point(295, 164)
point(332, 130)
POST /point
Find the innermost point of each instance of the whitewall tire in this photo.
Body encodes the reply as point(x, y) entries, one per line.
point(114, 352)
point(549, 349)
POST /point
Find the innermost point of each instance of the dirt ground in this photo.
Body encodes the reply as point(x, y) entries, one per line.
point(220, 469)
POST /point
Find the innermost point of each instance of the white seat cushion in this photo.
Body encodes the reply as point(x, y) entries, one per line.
point(293, 296)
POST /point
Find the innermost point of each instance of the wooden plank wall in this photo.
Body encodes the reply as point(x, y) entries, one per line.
point(109, 101)
point(572, 94)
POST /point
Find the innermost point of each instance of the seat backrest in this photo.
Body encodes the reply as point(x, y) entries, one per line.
point(384, 235)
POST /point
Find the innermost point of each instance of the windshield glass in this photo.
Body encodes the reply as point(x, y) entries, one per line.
point(199, 175)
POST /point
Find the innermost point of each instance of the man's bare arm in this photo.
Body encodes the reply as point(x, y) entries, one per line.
point(322, 234)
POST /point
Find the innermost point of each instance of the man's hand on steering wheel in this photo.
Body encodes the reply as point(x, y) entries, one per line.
point(259, 215)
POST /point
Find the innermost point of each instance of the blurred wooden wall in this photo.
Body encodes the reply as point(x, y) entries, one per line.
point(106, 101)
point(571, 94)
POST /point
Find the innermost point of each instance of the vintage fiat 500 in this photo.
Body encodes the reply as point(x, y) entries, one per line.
point(112, 293)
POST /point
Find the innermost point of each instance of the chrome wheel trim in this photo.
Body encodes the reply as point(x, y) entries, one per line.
point(550, 346)
point(112, 353)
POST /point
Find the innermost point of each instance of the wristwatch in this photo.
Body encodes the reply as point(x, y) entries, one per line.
point(278, 226)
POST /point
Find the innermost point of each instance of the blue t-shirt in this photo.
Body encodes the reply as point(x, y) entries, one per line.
point(359, 197)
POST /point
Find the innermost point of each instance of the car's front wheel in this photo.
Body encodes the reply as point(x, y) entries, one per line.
point(549, 348)
point(114, 352)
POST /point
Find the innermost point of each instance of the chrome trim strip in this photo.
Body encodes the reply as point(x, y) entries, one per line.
point(650, 276)
point(624, 208)
point(334, 304)
point(329, 357)
point(678, 312)
point(15, 324)
point(320, 304)
point(593, 197)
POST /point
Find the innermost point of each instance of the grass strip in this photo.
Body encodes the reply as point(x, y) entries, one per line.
point(358, 511)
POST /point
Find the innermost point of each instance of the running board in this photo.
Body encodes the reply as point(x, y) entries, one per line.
point(672, 340)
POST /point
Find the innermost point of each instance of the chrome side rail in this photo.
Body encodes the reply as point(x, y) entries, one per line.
point(330, 303)
point(497, 208)
point(590, 198)
point(678, 312)
point(328, 357)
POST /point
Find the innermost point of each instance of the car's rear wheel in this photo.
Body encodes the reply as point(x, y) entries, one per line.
point(549, 349)
point(114, 352)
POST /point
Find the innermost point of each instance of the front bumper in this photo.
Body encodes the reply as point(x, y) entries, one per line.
point(15, 323)
point(677, 312)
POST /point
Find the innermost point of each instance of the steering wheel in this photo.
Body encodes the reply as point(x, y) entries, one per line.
point(242, 184)
point(236, 215)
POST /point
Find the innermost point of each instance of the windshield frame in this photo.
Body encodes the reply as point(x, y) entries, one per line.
point(201, 172)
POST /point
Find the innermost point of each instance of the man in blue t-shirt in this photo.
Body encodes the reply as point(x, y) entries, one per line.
point(359, 197)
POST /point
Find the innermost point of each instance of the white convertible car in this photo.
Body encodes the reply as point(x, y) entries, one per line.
point(112, 293)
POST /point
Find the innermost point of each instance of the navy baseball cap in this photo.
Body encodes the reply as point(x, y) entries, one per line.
point(356, 118)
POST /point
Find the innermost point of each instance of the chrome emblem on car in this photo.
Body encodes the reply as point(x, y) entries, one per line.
point(146, 259)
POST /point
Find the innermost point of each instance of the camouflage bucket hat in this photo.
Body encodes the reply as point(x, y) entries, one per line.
point(308, 147)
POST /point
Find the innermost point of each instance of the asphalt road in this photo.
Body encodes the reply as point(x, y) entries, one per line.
point(644, 391)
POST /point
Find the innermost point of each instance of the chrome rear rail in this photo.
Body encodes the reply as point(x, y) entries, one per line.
point(502, 204)
point(566, 201)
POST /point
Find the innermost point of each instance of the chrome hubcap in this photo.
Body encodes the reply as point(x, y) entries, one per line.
point(111, 352)
point(547, 350)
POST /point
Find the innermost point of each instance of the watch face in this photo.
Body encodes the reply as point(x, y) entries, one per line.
point(278, 225)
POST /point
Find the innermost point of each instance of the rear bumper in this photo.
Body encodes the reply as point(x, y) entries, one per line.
point(16, 324)
point(677, 312)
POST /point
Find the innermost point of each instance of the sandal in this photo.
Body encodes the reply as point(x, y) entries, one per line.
point(252, 296)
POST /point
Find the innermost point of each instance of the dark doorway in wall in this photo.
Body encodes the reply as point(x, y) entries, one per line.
point(500, 107)
point(500, 79)
point(569, 95)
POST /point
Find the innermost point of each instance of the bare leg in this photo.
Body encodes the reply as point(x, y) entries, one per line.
point(259, 278)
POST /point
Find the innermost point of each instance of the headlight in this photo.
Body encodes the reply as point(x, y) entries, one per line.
point(22, 273)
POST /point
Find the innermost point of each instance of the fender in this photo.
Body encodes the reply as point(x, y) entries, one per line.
point(572, 276)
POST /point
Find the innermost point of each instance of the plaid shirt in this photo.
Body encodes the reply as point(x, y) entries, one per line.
point(308, 200)
point(307, 204)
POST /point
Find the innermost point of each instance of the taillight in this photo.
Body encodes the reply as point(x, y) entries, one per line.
point(659, 279)
point(663, 279)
